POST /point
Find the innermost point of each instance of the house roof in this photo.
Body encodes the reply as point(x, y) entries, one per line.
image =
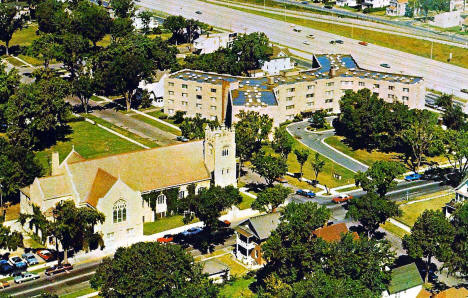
point(424, 294)
point(101, 185)
point(214, 266)
point(453, 293)
point(333, 233)
point(262, 225)
point(404, 278)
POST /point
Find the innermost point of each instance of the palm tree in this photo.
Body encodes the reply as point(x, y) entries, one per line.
point(36, 221)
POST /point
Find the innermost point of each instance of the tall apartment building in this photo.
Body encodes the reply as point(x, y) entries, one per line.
point(222, 97)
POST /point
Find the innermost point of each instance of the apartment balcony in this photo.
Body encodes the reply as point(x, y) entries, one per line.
point(247, 246)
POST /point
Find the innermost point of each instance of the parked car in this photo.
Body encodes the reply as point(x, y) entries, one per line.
point(297, 30)
point(30, 258)
point(332, 42)
point(281, 180)
point(18, 263)
point(165, 239)
point(25, 276)
point(305, 2)
point(341, 198)
point(45, 254)
point(328, 6)
point(4, 284)
point(58, 269)
point(339, 41)
point(5, 267)
point(198, 12)
point(385, 65)
point(311, 36)
point(192, 231)
point(306, 42)
point(182, 139)
point(306, 193)
point(363, 43)
point(413, 177)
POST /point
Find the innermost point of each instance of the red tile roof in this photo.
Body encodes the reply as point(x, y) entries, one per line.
point(333, 233)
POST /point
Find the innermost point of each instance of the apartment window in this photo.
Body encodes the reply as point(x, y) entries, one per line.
point(120, 211)
point(310, 87)
point(185, 103)
point(289, 117)
point(110, 236)
point(213, 108)
point(291, 89)
point(181, 194)
point(405, 89)
point(213, 98)
point(161, 199)
point(199, 105)
point(199, 97)
point(200, 190)
point(171, 84)
point(309, 95)
point(329, 100)
point(376, 94)
point(184, 86)
point(405, 98)
point(290, 107)
point(184, 94)
point(376, 86)
point(171, 101)
point(346, 83)
point(329, 110)
point(329, 84)
point(225, 151)
point(198, 115)
point(362, 84)
point(391, 87)
point(198, 88)
point(310, 104)
point(391, 96)
point(213, 118)
point(213, 90)
point(289, 98)
point(329, 93)
point(171, 92)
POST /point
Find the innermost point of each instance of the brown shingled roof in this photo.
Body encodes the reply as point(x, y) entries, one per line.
point(453, 293)
point(55, 186)
point(101, 185)
point(333, 233)
point(424, 294)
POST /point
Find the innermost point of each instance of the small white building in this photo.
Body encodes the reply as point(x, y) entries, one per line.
point(156, 89)
point(139, 24)
point(350, 3)
point(447, 19)
point(216, 270)
point(461, 195)
point(397, 8)
point(376, 3)
point(210, 43)
point(406, 282)
point(279, 61)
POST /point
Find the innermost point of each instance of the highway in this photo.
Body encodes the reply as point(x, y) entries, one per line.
point(440, 76)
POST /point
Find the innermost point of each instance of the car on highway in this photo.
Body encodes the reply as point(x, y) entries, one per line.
point(413, 177)
point(311, 36)
point(341, 198)
point(339, 41)
point(5, 267)
point(305, 193)
point(362, 43)
point(166, 238)
point(45, 254)
point(464, 90)
point(328, 6)
point(306, 42)
point(56, 269)
point(30, 258)
point(18, 263)
point(332, 42)
point(385, 65)
point(198, 12)
point(25, 276)
point(182, 139)
point(192, 231)
point(305, 2)
point(297, 30)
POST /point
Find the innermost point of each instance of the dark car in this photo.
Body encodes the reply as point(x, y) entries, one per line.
point(198, 12)
point(413, 177)
point(18, 263)
point(339, 41)
point(58, 269)
point(328, 6)
point(5, 267)
point(297, 30)
point(464, 90)
point(182, 139)
point(332, 42)
point(306, 193)
point(385, 65)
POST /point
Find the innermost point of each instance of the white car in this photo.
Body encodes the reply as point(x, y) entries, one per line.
point(306, 43)
point(311, 36)
point(25, 276)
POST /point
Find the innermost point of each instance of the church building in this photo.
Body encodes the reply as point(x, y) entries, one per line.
point(115, 185)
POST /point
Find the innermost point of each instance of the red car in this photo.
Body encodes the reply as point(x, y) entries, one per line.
point(281, 180)
point(166, 239)
point(45, 255)
point(341, 198)
point(363, 43)
point(58, 269)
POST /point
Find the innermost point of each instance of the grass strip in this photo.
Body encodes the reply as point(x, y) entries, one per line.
point(157, 124)
point(164, 224)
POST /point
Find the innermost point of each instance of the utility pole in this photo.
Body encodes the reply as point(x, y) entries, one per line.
point(264, 4)
point(432, 46)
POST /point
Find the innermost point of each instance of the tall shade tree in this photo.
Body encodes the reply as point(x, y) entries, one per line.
point(252, 50)
point(146, 17)
point(175, 24)
point(127, 62)
point(282, 142)
point(46, 47)
point(51, 16)
point(302, 155)
point(84, 87)
point(121, 28)
point(10, 21)
point(372, 210)
point(458, 262)
point(72, 52)
point(431, 236)
point(9, 83)
point(124, 9)
point(317, 165)
point(162, 271)
point(91, 21)
point(10, 240)
point(456, 151)
point(269, 167)
point(380, 177)
point(74, 227)
point(270, 198)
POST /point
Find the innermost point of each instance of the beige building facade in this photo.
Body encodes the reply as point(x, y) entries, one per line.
point(115, 185)
point(216, 96)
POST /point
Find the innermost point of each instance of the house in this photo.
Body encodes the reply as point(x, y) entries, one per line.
point(116, 185)
point(156, 89)
point(138, 24)
point(216, 270)
point(210, 43)
point(250, 235)
point(461, 194)
point(457, 5)
point(279, 61)
point(397, 8)
point(405, 282)
point(452, 293)
point(350, 3)
point(376, 3)
point(333, 233)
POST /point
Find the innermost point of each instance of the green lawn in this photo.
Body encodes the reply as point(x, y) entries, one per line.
point(237, 289)
point(397, 231)
point(13, 61)
point(163, 224)
point(24, 37)
point(89, 140)
point(414, 46)
point(246, 202)
point(79, 293)
point(159, 114)
point(157, 124)
point(33, 61)
point(412, 211)
point(236, 268)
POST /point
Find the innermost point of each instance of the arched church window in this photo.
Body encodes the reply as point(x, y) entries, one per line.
point(225, 151)
point(120, 211)
point(161, 199)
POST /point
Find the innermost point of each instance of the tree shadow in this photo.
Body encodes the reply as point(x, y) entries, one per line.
point(255, 187)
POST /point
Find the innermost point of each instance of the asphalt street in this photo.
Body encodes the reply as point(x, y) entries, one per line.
point(440, 76)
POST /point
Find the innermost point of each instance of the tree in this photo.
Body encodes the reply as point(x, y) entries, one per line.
point(146, 17)
point(127, 62)
point(380, 177)
point(72, 52)
point(9, 83)
point(120, 28)
point(46, 47)
point(124, 9)
point(282, 142)
point(10, 240)
point(269, 167)
point(454, 118)
point(209, 203)
point(91, 21)
point(456, 151)
point(252, 50)
point(270, 198)
point(318, 119)
point(444, 101)
point(458, 262)
point(431, 236)
point(419, 137)
point(162, 271)
point(84, 87)
point(372, 210)
point(175, 24)
point(37, 222)
point(302, 155)
point(37, 113)
point(317, 165)
point(74, 227)
point(51, 16)
point(10, 21)
point(194, 128)
point(251, 130)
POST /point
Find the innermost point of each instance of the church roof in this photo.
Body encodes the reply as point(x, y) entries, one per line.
point(101, 185)
point(453, 293)
point(55, 186)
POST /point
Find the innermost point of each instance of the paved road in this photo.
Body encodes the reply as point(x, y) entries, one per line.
point(441, 76)
point(314, 141)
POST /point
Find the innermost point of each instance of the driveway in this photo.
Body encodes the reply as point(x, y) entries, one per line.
point(315, 142)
